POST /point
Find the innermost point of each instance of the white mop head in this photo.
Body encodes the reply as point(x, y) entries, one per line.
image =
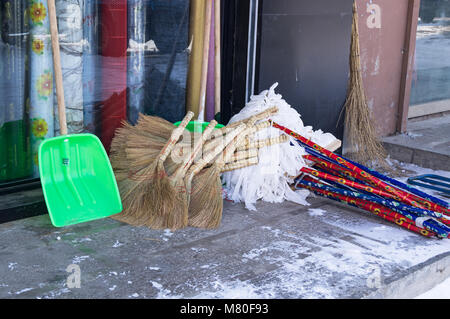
point(278, 164)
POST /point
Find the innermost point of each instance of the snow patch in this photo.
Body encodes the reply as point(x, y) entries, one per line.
point(441, 291)
point(316, 212)
point(79, 259)
point(11, 266)
point(23, 290)
point(117, 244)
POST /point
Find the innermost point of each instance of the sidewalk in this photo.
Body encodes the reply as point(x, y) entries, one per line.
point(426, 143)
point(281, 251)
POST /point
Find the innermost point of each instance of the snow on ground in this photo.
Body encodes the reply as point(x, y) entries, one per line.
point(336, 256)
point(441, 291)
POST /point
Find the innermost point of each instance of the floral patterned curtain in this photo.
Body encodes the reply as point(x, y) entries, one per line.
point(41, 79)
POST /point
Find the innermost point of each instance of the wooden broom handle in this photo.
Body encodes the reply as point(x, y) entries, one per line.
point(217, 150)
point(242, 155)
point(249, 121)
point(240, 164)
point(183, 169)
point(176, 134)
point(57, 67)
point(246, 144)
point(211, 144)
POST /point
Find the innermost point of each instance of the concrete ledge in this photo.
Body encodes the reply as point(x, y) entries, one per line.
point(415, 281)
point(281, 251)
point(424, 158)
point(427, 143)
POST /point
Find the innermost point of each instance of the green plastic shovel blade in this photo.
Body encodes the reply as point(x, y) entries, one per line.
point(77, 179)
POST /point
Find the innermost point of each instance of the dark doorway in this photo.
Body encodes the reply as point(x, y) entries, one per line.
point(304, 46)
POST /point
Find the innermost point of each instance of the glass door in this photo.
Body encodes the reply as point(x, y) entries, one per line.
point(430, 92)
point(119, 58)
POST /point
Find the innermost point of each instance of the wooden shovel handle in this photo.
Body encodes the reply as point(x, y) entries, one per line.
point(57, 66)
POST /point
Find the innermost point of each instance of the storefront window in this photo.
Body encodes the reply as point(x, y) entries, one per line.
point(431, 78)
point(118, 58)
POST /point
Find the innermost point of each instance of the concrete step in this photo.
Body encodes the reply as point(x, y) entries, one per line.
point(426, 143)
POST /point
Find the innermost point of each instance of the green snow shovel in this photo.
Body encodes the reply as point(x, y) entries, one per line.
point(76, 176)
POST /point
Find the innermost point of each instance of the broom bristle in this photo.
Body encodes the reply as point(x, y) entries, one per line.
point(206, 203)
point(137, 175)
point(206, 206)
point(168, 204)
point(131, 191)
point(358, 120)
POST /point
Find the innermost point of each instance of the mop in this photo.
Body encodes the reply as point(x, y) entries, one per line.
point(269, 180)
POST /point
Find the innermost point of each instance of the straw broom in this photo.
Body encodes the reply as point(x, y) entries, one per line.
point(146, 182)
point(361, 131)
point(169, 195)
point(204, 213)
point(136, 145)
point(208, 182)
point(132, 147)
point(208, 214)
point(130, 137)
point(141, 142)
point(140, 151)
point(205, 202)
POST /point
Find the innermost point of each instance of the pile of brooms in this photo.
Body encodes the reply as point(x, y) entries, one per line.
point(169, 177)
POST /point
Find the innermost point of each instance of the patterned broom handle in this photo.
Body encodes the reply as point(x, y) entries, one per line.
point(174, 137)
point(240, 164)
point(386, 214)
